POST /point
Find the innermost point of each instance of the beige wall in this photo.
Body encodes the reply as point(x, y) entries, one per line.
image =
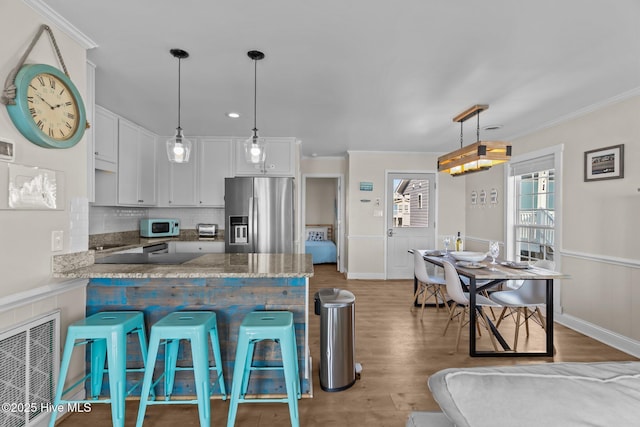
point(600, 237)
point(320, 201)
point(366, 232)
point(25, 236)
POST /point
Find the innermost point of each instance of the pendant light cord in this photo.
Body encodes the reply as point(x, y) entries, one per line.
point(255, 95)
point(179, 97)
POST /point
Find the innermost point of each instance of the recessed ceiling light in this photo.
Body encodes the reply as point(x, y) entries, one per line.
point(233, 115)
point(492, 127)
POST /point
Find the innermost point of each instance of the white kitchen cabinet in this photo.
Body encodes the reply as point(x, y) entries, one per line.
point(214, 165)
point(105, 131)
point(136, 165)
point(200, 182)
point(104, 153)
point(281, 159)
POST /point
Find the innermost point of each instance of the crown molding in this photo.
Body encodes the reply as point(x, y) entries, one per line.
point(60, 22)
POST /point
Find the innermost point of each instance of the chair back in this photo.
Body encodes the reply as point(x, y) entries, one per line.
point(420, 267)
point(534, 291)
point(454, 286)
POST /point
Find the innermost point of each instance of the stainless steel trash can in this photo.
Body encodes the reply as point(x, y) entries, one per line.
point(337, 338)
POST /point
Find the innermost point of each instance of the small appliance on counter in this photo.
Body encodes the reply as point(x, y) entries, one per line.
point(151, 227)
point(207, 231)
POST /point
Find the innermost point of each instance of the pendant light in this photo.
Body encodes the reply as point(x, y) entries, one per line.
point(475, 157)
point(179, 147)
point(254, 147)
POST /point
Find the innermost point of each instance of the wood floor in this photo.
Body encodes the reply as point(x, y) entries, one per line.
point(398, 351)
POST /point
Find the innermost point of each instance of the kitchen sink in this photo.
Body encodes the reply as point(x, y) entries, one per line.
point(108, 246)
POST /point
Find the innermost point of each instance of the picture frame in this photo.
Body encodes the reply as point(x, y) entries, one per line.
point(604, 163)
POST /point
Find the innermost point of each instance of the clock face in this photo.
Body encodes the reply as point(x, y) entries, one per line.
point(48, 108)
point(52, 106)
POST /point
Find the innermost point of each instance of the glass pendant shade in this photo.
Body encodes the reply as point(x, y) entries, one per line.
point(178, 148)
point(254, 149)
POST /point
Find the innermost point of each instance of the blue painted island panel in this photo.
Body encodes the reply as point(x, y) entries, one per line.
point(231, 299)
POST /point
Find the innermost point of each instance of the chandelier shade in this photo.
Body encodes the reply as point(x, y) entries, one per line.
point(179, 147)
point(476, 157)
point(480, 156)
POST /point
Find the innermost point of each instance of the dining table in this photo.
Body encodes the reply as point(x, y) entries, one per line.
point(483, 276)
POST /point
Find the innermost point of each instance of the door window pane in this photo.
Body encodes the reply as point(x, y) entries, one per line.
point(410, 203)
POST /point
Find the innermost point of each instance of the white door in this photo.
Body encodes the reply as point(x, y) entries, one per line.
point(410, 213)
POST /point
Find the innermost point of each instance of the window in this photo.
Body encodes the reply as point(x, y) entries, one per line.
point(533, 222)
point(411, 202)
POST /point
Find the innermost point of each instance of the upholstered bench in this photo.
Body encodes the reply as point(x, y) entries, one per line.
point(547, 394)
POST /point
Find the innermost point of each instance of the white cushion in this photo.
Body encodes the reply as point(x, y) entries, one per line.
point(550, 394)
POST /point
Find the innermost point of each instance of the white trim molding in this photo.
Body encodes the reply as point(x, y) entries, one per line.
point(32, 295)
point(60, 22)
point(624, 262)
point(598, 333)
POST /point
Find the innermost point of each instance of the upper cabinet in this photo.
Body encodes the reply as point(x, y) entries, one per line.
point(214, 165)
point(105, 139)
point(281, 158)
point(200, 182)
point(136, 165)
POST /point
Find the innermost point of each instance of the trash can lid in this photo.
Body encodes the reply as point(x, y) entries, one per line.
point(334, 297)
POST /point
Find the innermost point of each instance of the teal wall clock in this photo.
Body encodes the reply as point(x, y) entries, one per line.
point(48, 108)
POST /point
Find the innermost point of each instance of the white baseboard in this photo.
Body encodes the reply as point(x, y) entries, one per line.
point(598, 333)
point(365, 276)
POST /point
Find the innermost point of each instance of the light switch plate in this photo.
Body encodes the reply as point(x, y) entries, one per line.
point(7, 150)
point(57, 243)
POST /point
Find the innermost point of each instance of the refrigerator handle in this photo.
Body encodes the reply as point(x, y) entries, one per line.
point(253, 232)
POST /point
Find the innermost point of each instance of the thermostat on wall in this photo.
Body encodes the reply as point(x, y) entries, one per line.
point(7, 152)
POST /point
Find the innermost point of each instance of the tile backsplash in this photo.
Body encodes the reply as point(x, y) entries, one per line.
point(103, 219)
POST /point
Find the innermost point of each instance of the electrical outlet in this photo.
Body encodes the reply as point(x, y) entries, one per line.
point(57, 243)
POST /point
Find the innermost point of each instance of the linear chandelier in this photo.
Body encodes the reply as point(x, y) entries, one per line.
point(481, 155)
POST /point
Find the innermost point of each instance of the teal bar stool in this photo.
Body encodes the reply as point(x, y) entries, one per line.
point(258, 326)
point(197, 327)
point(106, 334)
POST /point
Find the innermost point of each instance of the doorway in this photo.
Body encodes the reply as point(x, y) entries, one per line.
point(323, 206)
point(410, 219)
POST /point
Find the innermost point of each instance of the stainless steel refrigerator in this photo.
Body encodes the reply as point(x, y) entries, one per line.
point(259, 215)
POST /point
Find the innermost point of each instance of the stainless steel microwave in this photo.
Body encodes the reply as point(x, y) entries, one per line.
point(159, 227)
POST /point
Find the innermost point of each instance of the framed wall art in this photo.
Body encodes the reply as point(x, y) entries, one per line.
point(604, 163)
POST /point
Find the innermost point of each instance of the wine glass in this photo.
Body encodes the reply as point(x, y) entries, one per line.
point(494, 250)
point(446, 239)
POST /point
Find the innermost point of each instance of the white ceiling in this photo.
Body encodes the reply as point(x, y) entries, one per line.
point(359, 74)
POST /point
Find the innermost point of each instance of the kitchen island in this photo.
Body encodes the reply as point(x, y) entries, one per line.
point(231, 285)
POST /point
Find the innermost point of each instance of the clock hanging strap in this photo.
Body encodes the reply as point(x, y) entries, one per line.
point(9, 92)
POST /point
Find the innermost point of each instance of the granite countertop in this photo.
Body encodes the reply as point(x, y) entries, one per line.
point(203, 266)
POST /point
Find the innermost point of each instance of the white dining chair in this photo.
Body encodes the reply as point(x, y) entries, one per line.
point(429, 285)
point(461, 301)
point(524, 302)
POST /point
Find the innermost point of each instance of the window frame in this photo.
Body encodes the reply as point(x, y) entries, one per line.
point(510, 199)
